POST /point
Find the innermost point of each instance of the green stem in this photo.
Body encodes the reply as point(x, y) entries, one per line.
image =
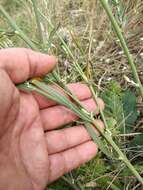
point(17, 29)
point(109, 139)
point(123, 44)
point(40, 33)
point(52, 94)
point(96, 139)
point(66, 89)
point(70, 183)
point(121, 156)
point(77, 66)
point(98, 107)
point(112, 186)
point(107, 134)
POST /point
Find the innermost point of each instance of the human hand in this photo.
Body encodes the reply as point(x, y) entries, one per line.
point(33, 151)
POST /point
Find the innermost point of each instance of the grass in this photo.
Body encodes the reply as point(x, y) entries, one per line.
point(103, 63)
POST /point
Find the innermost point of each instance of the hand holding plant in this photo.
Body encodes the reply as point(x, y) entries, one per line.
point(33, 153)
point(86, 117)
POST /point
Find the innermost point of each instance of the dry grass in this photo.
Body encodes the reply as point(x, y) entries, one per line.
point(86, 28)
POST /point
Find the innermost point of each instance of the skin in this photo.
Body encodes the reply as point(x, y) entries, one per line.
point(34, 151)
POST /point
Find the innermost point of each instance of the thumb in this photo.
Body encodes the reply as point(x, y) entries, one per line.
point(22, 64)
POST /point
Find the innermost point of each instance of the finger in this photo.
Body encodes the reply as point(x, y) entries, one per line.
point(65, 116)
point(22, 64)
point(68, 160)
point(69, 137)
point(81, 91)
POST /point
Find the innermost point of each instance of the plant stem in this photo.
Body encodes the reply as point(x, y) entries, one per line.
point(122, 157)
point(77, 66)
point(79, 112)
point(50, 93)
point(70, 183)
point(96, 139)
point(17, 29)
point(40, 33)
point(123, 44)
point(107, 134)
point(112, 186)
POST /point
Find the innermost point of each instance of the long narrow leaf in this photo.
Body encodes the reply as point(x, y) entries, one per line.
point(97, 140)
point(61, 99)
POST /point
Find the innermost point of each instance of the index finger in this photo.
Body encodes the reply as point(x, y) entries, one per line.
point(22, 64)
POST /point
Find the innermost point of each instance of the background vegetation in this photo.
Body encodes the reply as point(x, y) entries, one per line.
point(86, 29)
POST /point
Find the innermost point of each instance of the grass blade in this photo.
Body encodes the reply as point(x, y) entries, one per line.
point(38, 21)
point(17, 29)
point(54, 95)
point(97, 140)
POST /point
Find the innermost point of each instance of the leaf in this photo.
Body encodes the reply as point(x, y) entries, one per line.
point(139, 168)
point(52, 94)
point(129, 108)
point(137, 140)
point(113, 101)
point(136, 145)
point(97, 140)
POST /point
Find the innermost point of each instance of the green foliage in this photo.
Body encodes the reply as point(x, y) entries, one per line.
point(137, 142)
point(120, 107)
point(119, 6)
point(139, 168)
point(11, 5)
point(96, 170)
point(59, 185)
point(129, 108)
point(136, 150)
point(112, 97)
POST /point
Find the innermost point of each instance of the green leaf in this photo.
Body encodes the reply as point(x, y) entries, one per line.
point(113, 102)
point(97, 140)
point(136, 145)
point(52, 94)
point(129, 108)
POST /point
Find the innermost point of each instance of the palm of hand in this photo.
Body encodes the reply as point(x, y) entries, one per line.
point(29, 150)
point(23, 137)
